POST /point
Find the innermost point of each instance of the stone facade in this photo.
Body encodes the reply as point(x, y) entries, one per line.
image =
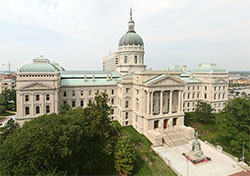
point(153, 102)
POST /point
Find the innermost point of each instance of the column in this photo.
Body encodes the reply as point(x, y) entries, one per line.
point(152, 96)
point(32, 108)
point(161, 102)
point(170, 101)
point(179, 101)
point(181, 108)
point(148, 103)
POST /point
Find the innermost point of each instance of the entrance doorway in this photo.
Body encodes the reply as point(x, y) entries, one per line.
point(165, 123)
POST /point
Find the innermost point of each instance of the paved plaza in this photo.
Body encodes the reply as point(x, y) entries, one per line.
point(220, 164)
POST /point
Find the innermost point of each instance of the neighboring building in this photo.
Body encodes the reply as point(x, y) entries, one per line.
point(7, 81)
point(153, 102)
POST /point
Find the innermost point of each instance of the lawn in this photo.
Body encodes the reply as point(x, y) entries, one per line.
point(147, 162)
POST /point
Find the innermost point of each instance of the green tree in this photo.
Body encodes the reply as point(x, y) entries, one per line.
point(234, 122)
point(8, 129)
point(64, 144)
point(64, 108)
point(2, 109)
point(124, 156)
point(204, 111)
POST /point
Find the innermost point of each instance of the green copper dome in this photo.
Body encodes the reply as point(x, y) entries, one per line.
point(41, 64)
point(131, 38)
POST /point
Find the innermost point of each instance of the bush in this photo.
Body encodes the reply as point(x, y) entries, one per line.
point(2, 109)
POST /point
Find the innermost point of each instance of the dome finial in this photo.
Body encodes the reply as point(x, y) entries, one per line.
point(130, 13)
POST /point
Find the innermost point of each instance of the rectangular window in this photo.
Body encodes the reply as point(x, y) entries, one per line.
point(90, 92)
point(37, 97)
point(82, 103)
point(64, 93)
point(188, 88)
point(82, 92)
point(116, 61)
point(193, 87)
point(73, 93)
point(126, 115)
point(126, 104)
point(156, 123)
point(112, 91)
point(205, 87)
point(112, 101)
point(205, 96)
point(73, 103)
point(127, 89)
point(198, 87)
point(198, 95)
point(47, 97)
point(27, 98)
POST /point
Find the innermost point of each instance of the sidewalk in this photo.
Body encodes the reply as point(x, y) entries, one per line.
point(220, 164)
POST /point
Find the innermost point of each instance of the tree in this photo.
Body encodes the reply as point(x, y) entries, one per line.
point(8, 129)
point(64, 108)
point(204, 111)
point(234, 121)
point(124, 156)
point(2, 109)
point(64, 144)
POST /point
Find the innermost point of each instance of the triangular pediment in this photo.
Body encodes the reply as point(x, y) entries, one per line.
point(166, 80)
point(35, 86)
point(220, 81)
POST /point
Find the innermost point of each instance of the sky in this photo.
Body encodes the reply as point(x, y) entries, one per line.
point(79, 33)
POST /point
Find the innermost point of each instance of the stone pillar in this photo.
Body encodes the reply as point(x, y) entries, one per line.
point(181, 107)
point(148, 103)
point(152, 96)
point(179, 101)
point(161, 102)
point(170, 101)
point(32, 108)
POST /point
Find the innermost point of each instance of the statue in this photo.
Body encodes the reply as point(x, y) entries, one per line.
point(196, 155)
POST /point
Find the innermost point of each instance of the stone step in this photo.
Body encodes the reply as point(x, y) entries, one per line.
point(174, 138)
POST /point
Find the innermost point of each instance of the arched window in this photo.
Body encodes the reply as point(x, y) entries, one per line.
point(125, 59)
point(27, 110)
point(37, 110)
point(47, 109)
point(135, 59)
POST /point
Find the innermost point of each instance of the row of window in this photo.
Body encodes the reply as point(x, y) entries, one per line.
point(219, 96)
point(73, 93)
point(198, 87)
point(73, 102)
point(37, 97)
point(219, 88)
point(126, 59)
point(189, 95)
point(37, 75)
point(37, 109)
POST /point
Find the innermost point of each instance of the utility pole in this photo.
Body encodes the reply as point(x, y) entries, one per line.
point(7, 65)
point(243, 148)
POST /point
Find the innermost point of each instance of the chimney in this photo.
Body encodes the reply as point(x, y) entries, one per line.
point(107, 77)
point(85, 79)
point(111, 77)
point(93, 78)
point(184, 68)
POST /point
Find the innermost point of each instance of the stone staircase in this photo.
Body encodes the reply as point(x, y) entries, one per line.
point(174, 138)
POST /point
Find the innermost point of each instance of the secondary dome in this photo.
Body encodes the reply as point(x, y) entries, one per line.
point(131, 37)
point(40, 64)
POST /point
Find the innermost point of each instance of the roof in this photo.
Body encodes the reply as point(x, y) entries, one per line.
point(190, 80)
point(131, 38)
point(209, 67)
point(41, 64)
point(85, 78)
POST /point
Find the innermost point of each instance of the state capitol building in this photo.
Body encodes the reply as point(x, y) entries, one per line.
point(153, 102)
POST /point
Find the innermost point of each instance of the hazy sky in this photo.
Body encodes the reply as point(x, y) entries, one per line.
point(78, 33)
